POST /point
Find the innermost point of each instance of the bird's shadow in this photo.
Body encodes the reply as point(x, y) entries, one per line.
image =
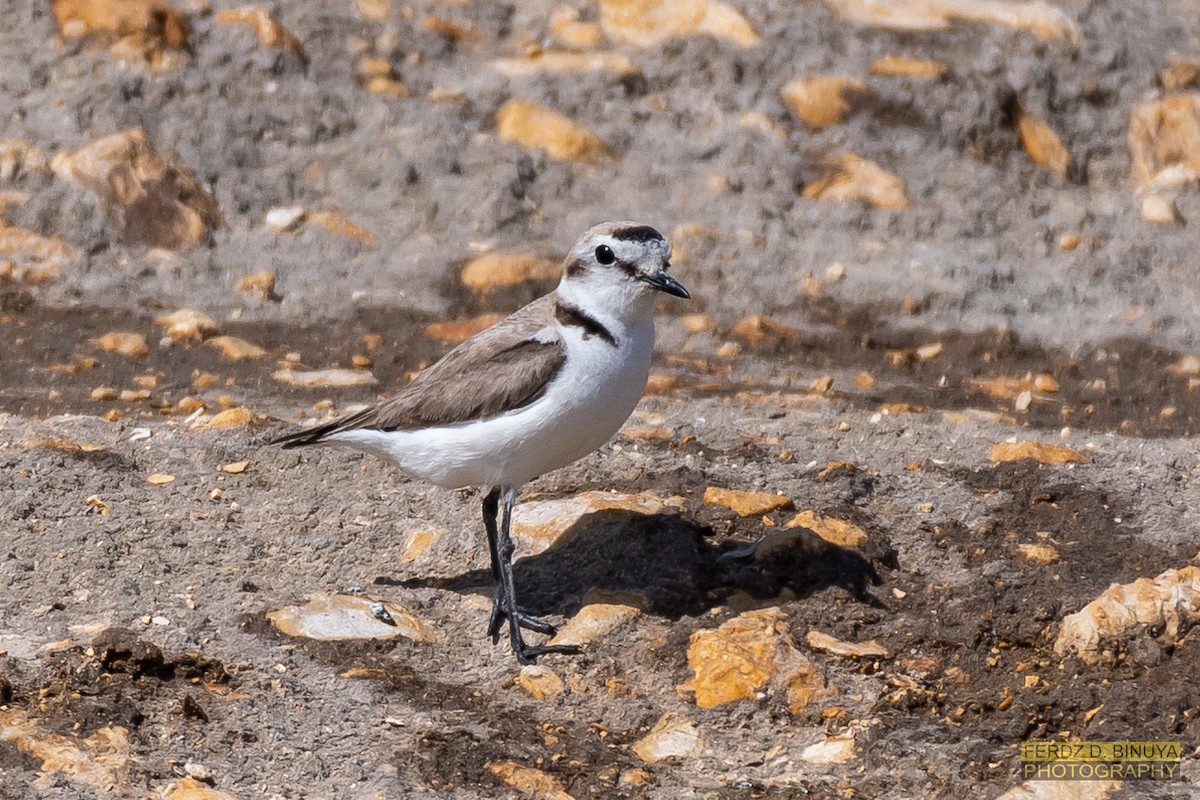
point(673, 563)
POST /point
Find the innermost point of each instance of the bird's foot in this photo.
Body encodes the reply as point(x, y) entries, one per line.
point(528, 654)
point(500, 614)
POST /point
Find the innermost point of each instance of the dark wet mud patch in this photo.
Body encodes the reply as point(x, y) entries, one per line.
point(976, 659)
point(1122, 385)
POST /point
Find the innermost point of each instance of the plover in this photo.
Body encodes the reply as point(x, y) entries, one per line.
point(536, 391)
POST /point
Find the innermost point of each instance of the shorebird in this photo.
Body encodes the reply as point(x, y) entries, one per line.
point(536, 391)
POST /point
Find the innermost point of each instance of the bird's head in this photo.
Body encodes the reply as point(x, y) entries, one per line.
point(625, 261)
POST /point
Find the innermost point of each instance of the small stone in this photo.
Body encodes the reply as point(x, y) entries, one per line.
point(266, 27)
point(672, 736)
point(123, 343)
point(282, 220)
point(698, 323)
point(834, 531)
point(417, 543)
point(897, 66)
point(539, 681)
point(529, 780)
point(756, 329)
point(1041, 143)
point(336, 617)
point(1069, 241)
point(830, 750)
point(337, 224)
point(234, 468)
point(593, 622)
point(824, 643)
point(493, 271)
point(1042, 452)
point(558, 63)
point(823, 100)
point(1040, 554)
point(312, 379)
point(852, 178)
point(1160, 210)
point(160, 479)
point(237, 417)
point(540, 128)
point(455, 331)
point(236, 349)
point(259, 286)
point(646, 23)
point(103, 393)
point(746, 504)
point(1044, 20)
point(187, 325)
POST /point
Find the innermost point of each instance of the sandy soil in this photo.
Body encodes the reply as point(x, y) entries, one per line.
point(136, 606)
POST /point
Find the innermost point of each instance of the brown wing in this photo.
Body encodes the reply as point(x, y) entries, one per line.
point(504, 368)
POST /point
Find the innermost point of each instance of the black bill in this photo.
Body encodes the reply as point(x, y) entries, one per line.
point(665, 283)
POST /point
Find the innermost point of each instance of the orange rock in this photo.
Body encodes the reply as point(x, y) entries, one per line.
point(268, 29)
point(124, 343)
point(896, 66)
point(1041, 452)
point(755, 329)
point(541, 128)
point(1042, 19)
point(649, 22)
point(531, 781)
point(157, 202)
point(1040, 554)
point(236, 349)
point(100, 761)
point(493, 271)
point(417, 543)
point(567, 26)
point(823, 100)
point(459, 330)
point(336, 223)
point(593, 622)
point(187, 324)
point(1041, 143)
point(835, 531)
point(31, 258)
point(1180, 73)
point(1168, 605)
point(740, 658)
point(160, 479)
point(234, 468)
point(854, 178)
point(540, 682)
point(116, 18)
point(746, 504)
point(192, 789)
point(1164, 141)
point(237, 417)
point(453, 29)
point(259, 286)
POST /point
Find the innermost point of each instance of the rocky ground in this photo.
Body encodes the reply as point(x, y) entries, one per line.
point(935, 394)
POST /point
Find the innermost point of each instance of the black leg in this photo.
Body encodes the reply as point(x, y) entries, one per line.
point(506, 599)
point(500, 605)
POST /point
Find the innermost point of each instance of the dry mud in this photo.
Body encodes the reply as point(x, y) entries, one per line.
point(151, 617)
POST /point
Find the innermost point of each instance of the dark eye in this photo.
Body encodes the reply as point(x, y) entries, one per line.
point(605, 256)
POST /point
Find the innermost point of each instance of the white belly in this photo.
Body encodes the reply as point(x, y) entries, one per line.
point(585, 404)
